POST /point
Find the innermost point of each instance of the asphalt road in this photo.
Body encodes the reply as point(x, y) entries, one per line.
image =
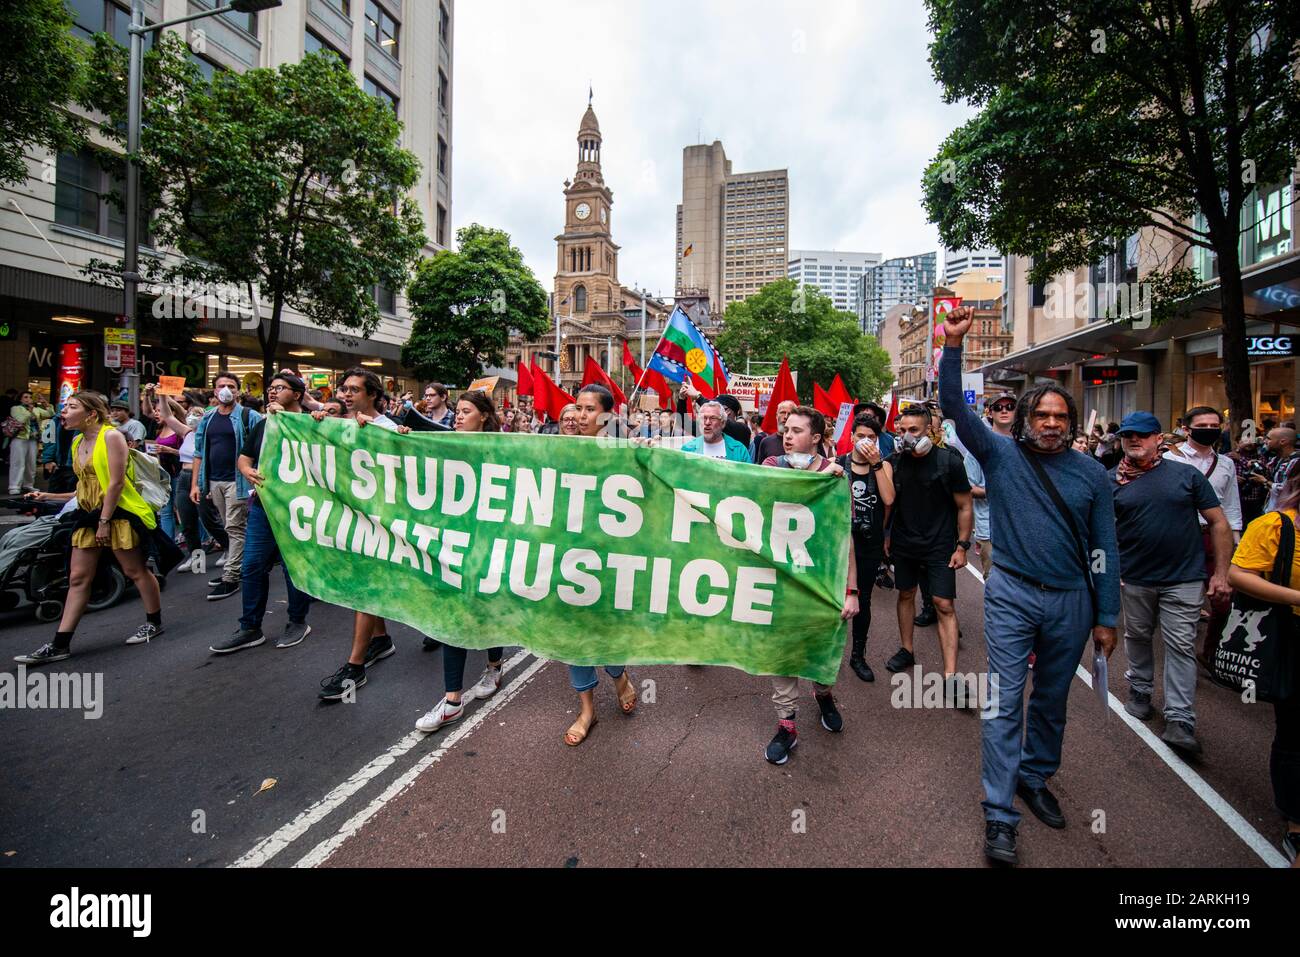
point(170, 774)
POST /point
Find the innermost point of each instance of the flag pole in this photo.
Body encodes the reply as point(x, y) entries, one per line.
point(645, 368)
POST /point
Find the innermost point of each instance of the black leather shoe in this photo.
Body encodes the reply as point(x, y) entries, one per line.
point(862, 669)
point(927, 618)
point(1043, 804)
point(1000, 842)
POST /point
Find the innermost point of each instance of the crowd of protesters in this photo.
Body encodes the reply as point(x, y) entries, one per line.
point(1073, 531)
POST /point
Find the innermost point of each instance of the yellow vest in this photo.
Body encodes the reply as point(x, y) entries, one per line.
point(129, 499)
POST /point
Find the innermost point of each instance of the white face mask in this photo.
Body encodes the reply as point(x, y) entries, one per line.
point(193, 417)
point(226, 395)
point(800, 460)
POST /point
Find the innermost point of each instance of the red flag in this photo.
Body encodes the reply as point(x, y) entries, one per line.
point(783, 390)
point(594, 373)
point(893, 412)
point(550, 399)
point(823, 403)
point(839, 394)
point(653, 380)
point(525, 380)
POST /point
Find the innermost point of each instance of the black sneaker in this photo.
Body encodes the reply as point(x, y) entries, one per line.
point(1138, 705)
point(883, 579)
point(431, 644)
point(223, 590)
point(381, 646)
point(1291, 845)
point(348, 678)
point(862, 669)
point(1181, 736)
point(927, 618)
point(779, 748)
point(294, 633)
point(241, 639)
point(43, 655)
point(831, 719)
point(1000, 842)
point(902, 660)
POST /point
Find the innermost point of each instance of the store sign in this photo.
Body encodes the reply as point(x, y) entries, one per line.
point(119, 348)
point(1101, 375)
point(1260, 347)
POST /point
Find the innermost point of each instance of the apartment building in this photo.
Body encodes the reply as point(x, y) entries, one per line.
point(835, 273)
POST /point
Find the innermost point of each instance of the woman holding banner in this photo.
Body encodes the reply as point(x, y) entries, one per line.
point(475, 412)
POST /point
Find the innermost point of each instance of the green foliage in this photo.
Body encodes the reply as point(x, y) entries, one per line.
point(292, 180)
point(465, 304)
point(41, 75)
point(784, 319)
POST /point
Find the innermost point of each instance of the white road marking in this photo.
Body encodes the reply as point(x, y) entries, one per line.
point(322, 851)
point(269, 847)
point(1226, 812)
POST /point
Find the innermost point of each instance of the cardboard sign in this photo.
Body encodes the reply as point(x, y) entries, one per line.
point(171, 385)
point(487, 385)
point(648, 402)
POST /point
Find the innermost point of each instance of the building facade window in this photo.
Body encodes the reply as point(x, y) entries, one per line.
point(379, 93)
point(102, 16)
point(442, 225)
point(444, 24)
point(381, 28)
point(442, 156)
point(442, 89)
point(82, 196)
point(580, 299)
point(311, 43)
point(385, 299)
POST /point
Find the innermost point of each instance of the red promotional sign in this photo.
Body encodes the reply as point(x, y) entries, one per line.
point(71, 369)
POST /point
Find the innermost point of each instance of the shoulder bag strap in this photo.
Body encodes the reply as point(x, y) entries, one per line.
point(1049, 487)
point(1285, 551)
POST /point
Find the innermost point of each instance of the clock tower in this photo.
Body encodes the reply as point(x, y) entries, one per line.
point(586, 276)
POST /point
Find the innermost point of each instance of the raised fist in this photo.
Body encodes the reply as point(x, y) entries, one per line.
point(956, 324)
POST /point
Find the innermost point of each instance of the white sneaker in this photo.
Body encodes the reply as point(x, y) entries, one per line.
point(185, 565)
point(487, 685)
point(221, 561)
point(146, 632)
point(444, 712)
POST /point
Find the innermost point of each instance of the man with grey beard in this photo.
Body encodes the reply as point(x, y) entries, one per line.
point(1055, 583)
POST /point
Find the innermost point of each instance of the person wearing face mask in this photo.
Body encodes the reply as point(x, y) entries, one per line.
point(1054, 584)
point(871, 486)
point(805, 429)
point(929, 537)
point(1204, 427)
point(218, 443)
point(1158, 503)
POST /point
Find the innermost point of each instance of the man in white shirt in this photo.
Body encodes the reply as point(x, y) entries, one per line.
point(1204, 427)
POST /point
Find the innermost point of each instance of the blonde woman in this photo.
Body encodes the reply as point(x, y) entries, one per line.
point(111, 514)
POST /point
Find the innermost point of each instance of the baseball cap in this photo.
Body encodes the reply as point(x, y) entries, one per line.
point(119, 404)
point(1141, 423)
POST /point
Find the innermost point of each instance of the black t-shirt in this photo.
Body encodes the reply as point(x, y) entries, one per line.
point(923, 523)
point(253, 443)
point(771, 445)
point(1156, 521)
point(739, 431)
point(219, 456)
point(868, 508)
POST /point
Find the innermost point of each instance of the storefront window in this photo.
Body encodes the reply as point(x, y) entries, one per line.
point(1272, 386)
point(1270, 218)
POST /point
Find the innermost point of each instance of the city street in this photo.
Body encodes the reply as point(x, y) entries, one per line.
point(170, 774)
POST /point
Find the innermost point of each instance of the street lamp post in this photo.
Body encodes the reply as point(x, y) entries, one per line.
point(134, 106)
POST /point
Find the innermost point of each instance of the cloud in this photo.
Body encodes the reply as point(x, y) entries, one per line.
point(840, 92)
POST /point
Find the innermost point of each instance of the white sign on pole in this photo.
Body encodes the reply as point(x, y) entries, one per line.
point(842, 420)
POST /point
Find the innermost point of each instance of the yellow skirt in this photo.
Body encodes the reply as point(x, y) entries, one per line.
point(120, 534)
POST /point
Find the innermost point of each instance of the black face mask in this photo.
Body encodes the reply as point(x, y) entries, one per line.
point(1205, 436)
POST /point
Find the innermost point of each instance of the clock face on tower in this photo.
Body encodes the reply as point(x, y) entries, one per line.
point(583, 211)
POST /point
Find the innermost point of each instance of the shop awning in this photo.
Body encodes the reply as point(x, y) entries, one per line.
point(1272, 294)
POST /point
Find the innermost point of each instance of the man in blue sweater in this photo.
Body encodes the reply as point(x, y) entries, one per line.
point(1055, 582)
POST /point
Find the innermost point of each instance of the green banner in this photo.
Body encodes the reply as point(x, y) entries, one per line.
point(587, 551)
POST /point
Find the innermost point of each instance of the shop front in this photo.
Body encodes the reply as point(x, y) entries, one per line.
point(1272, 373)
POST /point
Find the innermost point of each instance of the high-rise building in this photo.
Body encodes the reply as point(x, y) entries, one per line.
point(732, 228)
point(835, 273)
point(958, 261)
point(61, 218)
point(894, 281)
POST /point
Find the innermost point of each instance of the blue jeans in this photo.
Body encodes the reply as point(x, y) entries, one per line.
point(260, 552)
point(584, 677)
point(1055, 625)
point(167, 517)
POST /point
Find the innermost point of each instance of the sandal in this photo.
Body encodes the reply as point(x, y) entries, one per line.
point(626, 693)
point(578, 731)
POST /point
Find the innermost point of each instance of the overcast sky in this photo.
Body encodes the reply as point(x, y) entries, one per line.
point(840, 92)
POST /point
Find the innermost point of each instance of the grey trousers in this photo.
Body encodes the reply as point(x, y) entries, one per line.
point(1179, 609)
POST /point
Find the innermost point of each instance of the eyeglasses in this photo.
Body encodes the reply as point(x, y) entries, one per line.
point(349, 389)
point(1003, 407)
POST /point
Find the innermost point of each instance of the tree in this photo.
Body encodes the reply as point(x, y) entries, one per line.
point(1101, 118)
point(466, 303)
point(785, 319)
point(290, 182)
point(41, 75)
